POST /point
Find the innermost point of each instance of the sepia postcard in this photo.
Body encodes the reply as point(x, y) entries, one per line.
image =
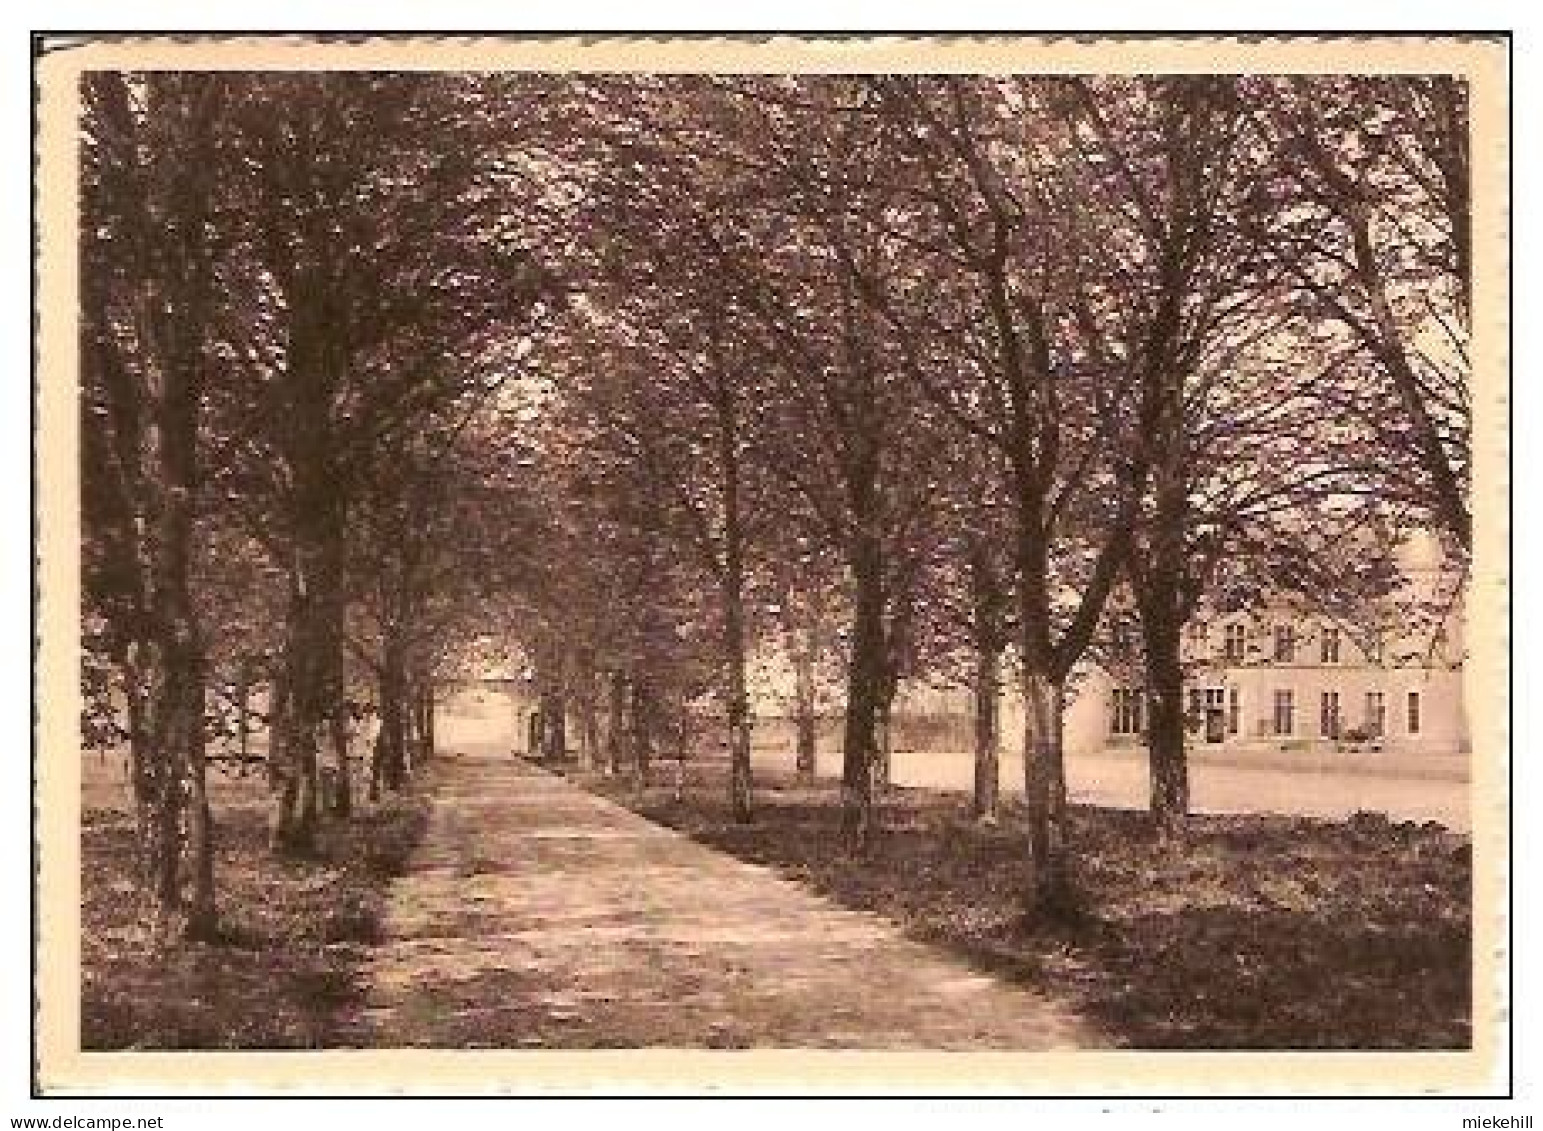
point(755, 565)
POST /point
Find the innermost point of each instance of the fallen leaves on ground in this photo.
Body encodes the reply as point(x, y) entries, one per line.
point(284, 973)
point(1258, 932)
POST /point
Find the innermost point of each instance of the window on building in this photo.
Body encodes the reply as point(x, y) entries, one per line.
point(1328, 645)
point(1285, 644)
point(1197, 641)
point(1236, 643)
point(1120, 637)
point(1285, 712)
point(1376, 715)
point(1412, 714)
point(1328, 714)
point(1127, 712)
point(1374, 647)
point(1234, 711)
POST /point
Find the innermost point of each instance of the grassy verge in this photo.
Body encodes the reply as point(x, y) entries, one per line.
point(285, 974)
point(1262, 932)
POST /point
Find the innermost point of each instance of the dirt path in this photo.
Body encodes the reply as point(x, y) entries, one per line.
point(536, 914)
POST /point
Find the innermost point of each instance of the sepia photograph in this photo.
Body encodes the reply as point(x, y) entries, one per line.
point(566, 564)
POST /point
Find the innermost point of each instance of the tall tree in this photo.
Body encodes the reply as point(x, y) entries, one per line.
point(381, 245)
point(151, 193)
point(1168, 166)
point(989, 211)
point(1233, 446)
point(848, 436)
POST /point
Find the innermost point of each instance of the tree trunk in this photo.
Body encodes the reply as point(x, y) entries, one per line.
point(1162, 633)
point(176, 670)
point(897, 647)
point(1058, 760)
point(389, 770)
point(315, 581)
point(987, 734)
point(340, 724)
point(1049, 893)
point(316, 361)
point(883, 767)
point(165, 201)
point(202, 916)
point(426, 718)
point(554, 723)
point(1447, 499)
point(865, 677)
point(173, 669)
point(642, 730)
point(169, 673)
point(986, 627)
point(278, 703)
point(1050, 890)
point(343, 797)
point(142, 758)
point(738, 698)
point(178, 838)
point(733, 578)
point(411, 739)
point(589, 721)
point(616, 725)
point(803, 706)
point(243, 716)
point(416, 738)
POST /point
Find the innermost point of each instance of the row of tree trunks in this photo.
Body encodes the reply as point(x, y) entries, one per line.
point(634, 726)
point(549, 730)
point(405, 739)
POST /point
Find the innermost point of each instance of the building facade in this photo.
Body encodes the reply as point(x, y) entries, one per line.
point(1380, 679)
point(1387, 677)
point(1282, 679)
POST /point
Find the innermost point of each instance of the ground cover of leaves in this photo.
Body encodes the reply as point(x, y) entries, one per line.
point(284, 974)
point(1261, 931)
